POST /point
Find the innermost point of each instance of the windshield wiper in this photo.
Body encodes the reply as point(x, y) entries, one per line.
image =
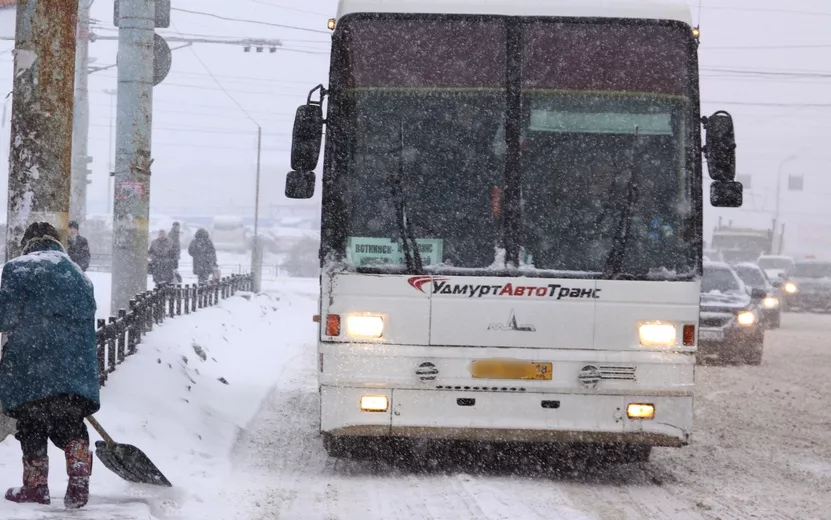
point(405, 227)
point(614, 262)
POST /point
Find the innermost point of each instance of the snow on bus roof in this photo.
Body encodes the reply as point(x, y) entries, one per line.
point(644, 9)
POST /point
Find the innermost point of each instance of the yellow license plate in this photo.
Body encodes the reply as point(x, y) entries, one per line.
point(510, 369)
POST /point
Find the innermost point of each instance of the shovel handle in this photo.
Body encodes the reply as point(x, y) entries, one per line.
point(101, 431)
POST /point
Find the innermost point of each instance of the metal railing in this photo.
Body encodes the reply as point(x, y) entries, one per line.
point(119, 336)
point(102, 263)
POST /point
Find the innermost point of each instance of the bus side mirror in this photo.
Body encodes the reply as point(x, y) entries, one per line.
point(720, 147)
point(300, 185)
point(726, 194)
point(306, 137)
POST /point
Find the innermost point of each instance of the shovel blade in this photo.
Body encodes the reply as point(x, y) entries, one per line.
point(130, 463)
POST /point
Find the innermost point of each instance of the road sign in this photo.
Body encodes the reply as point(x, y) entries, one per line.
point(162, 59)
point(795, 182)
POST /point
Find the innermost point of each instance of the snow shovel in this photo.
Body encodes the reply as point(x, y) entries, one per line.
point(126, 461)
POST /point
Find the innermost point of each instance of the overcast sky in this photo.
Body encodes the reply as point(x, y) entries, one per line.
point(768, 62)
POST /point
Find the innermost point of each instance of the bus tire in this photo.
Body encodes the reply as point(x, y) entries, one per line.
point(633, 453)
point(337, 446)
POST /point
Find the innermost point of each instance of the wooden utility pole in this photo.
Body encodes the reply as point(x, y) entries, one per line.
point(42, 108)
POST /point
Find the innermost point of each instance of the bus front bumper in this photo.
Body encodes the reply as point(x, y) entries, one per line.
point(506, 416)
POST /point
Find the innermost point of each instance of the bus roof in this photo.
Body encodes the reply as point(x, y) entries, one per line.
point(644, 9)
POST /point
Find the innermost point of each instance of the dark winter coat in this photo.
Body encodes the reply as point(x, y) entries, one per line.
point(173, 235)
point(47, 314)
point(204, 254)
point(162, 261)
point(78, 251)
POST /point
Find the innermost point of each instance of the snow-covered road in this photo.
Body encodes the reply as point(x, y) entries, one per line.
point(762, 449)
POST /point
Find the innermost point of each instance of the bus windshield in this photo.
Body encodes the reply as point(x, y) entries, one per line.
point(604, 117)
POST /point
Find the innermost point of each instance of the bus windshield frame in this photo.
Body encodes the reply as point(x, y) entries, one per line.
point(648, 133)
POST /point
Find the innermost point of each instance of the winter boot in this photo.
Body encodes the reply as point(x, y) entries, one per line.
point(79, 468)
point(35, 483)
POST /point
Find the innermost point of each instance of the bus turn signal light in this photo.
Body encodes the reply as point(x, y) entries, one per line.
point(333, 325)
point(640, 411)
point(689, 335)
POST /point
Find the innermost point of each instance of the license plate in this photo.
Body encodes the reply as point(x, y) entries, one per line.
point(510, 369)
point(710, 335)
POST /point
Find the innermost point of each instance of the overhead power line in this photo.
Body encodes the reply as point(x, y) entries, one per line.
point(766, 47)
point(203, 130)
point(246, 42)
point(785, 73)
point(779, 105)
point(242, 20)
point(221, 37)
point(287, 8)
point(762, 10)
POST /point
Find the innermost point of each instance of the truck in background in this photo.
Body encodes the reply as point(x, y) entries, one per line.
point(734, 245)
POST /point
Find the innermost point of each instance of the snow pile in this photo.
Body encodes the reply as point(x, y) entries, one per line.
point(183, 399)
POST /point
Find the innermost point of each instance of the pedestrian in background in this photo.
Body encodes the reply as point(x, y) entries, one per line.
point(49, 367)
point(78, 249)
point(204, 256)
point(162, 260)
point(175, 239)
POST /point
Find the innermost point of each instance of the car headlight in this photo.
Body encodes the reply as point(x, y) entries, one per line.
point(746, 318)
point(657, 334)
point(364, 326)
point(770, 302)
point(790, 287)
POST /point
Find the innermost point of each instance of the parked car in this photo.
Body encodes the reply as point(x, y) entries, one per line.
point(808, 286)
point(730, 321)
point(775, 266)
point(754, 277)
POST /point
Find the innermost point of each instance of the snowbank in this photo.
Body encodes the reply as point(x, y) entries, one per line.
point(183, 399)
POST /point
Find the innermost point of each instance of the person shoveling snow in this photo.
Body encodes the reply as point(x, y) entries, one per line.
point(49, 368)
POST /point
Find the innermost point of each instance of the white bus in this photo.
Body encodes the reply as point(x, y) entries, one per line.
point(512, 221)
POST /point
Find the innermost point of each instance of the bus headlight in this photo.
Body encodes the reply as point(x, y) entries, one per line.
point(364, 326)
point(790, 288)
point(770, 302)
point(746, 318)
point(657, 334)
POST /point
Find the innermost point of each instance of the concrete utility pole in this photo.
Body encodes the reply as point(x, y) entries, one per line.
point(80, 130)
point(134, 111)
point(41, 130)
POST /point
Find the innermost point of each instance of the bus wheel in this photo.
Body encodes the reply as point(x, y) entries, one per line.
point(635, 453)
point(337, 446)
